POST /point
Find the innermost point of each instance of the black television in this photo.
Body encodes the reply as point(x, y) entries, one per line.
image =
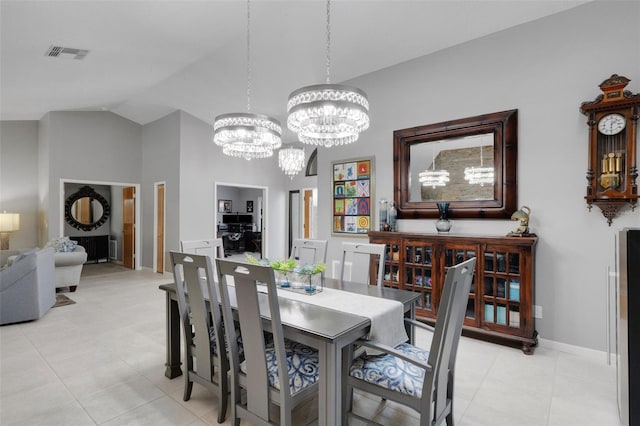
point(237, 218)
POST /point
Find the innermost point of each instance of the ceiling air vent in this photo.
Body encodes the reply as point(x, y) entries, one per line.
point(65, 52)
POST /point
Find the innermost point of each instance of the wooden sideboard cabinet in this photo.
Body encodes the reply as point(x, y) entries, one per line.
point(500, 305)
point(96, 246)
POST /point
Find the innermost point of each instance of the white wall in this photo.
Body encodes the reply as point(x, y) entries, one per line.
point(545, 69)
point(19, 179)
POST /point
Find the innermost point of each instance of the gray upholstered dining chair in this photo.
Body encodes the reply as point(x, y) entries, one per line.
point(206, 359)
point(268, 364)
point(420, 379)
point(360, 255)
point(309, 251)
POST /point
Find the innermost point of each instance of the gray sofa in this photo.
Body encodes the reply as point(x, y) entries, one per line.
point(27, 287)
point(69, 267)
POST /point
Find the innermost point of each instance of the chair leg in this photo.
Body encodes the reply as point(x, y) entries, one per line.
point(234, 410)
point(188, 386)
point(222, 412)
point(285, 416)
point(223, 399)
point(449, 418)
point(450, 384)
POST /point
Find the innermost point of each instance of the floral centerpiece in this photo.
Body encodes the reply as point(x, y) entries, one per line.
point(290, 275)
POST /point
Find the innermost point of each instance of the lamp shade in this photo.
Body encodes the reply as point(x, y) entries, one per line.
point(9, 222)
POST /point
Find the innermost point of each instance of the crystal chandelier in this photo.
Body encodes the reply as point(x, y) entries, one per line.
point(291, 161)
point(328, 114)
point(433, 177)
point(479, 175)
point(247, 135)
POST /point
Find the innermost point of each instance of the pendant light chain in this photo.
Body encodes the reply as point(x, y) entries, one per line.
point(328, 114)
point(244, 134)
point(248, 55)
point(328, 41)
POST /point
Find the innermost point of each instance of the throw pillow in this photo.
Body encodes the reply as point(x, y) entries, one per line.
point(68, 246)
point(64, 244)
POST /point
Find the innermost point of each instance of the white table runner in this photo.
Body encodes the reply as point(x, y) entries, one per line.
point(387, 316)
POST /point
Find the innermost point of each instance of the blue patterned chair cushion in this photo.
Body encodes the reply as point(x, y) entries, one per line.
point(302, 361)
point(212, 339)
point(391, 372)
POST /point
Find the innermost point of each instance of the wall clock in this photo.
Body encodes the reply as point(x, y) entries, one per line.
point(613, 138)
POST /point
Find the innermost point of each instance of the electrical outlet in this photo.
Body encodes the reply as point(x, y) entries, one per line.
point(537, 311)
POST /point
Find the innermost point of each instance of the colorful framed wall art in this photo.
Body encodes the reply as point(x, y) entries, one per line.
point(352, 186)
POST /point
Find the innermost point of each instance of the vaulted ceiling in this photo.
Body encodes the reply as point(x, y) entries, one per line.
point(149, 58)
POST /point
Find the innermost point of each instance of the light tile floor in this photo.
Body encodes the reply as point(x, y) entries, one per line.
point(101, 361)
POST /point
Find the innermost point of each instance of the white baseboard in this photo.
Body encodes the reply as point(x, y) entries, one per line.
point(575, 350)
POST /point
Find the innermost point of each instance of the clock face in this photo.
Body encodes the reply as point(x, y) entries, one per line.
point(611, 124)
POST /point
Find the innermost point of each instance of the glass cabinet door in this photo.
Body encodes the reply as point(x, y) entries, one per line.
point(392, 264)
point(501, 288)
point(419, 274)
point(453, 255)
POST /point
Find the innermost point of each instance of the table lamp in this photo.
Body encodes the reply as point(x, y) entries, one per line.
point(9, 222)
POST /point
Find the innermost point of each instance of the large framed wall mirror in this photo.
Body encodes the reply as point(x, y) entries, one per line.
point(86, 209)
point(470, 163)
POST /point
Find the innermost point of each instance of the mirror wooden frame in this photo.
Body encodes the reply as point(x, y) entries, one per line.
point(86, 191)
point(503, 125)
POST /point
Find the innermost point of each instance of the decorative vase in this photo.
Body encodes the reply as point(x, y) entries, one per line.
point(443, 224)
point(382, 215)
point(282, 277)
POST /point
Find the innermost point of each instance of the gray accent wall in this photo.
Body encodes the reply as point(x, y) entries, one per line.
point(19, 179)
point(43, 179)
point(545, 69)
point(202, 165)
point(161, 162)
point(88, 146)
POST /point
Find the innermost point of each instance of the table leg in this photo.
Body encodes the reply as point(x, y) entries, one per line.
point(411, 314)
point(346, 400)
point(323, 399)
point(173, 339)
point(330, 397)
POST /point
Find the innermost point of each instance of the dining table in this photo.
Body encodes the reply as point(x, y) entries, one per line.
point(328, 330)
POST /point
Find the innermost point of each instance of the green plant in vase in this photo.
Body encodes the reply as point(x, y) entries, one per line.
point(284, 267)
point(308, 271)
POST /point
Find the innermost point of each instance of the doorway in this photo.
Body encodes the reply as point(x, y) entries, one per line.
point(303, 213)
point(294, 217)
point(128, 227)
point(115, 230)
point(309, 229)
point(241, 219)
point(159, 226)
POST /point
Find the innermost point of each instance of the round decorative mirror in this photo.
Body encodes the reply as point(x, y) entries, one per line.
point(86, 209)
